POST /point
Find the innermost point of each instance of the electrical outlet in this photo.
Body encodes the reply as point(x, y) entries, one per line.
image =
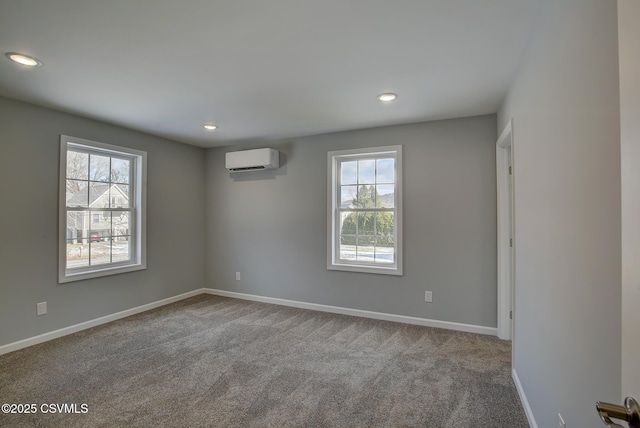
point(41, 308)
point(237, 276)
point(561, 423)
point(428, 296)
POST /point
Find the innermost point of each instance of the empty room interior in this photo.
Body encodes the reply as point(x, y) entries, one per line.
point(320, 213)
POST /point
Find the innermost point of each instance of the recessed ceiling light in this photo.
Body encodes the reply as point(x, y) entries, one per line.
point(23, 59)
point(387, 96)
point(210, 127)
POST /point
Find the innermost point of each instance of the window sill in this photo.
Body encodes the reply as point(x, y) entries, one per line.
point(107, 271)
point(392, 270)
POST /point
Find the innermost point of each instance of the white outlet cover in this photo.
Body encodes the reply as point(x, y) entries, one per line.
point(428, 296)
point(237, 276)
point(41, 308)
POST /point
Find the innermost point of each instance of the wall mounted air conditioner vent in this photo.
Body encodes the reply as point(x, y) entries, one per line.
point(252, 160)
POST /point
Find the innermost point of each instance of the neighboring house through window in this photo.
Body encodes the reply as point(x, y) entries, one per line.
point(102, 209)
point(365, 210)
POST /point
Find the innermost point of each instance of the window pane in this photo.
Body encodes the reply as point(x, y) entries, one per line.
point(365, 249)
point(348, 223)
point(367, 171)
point(120, 170)
point(385, 172)
point(385, 240)
point(385, 225)
point(77, 193)
point(348, 247)
point(76, 229)
point(99, 168)
point(386, 196)
point(366, 197)
point(120, 223)
point(348, 196)
point(99, 195)
point(77, 165)
point(385, 254)
point(119, 196)
point(120, 233)
point(77, 253)
point(349, 172)
point(366, 223)
point(100, 252)
point(100, 226)
point(121, 249)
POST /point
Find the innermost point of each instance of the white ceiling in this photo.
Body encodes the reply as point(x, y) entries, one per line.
point(263, 70)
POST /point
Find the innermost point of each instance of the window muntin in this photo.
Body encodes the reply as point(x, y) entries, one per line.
point(364, 210)
point(102, 202)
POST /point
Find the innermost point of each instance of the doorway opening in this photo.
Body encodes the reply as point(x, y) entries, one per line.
point(506, 238)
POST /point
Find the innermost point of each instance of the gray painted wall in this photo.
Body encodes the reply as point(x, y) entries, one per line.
point(629, 40)
point(564, 104)
point(272, 226)
point(29, 152)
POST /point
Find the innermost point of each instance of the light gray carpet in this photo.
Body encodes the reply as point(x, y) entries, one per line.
point(214, 361)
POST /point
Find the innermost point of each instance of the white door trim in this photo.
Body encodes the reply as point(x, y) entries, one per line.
point(504, 158)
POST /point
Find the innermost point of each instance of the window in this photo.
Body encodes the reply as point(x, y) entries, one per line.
point(102, 209)
point(365, 210)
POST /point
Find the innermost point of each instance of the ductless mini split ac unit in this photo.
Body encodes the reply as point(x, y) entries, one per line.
point(252, 160)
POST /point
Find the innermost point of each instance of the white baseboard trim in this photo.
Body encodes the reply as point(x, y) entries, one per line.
point(523, 399)
point(358, 312)
point(4, 349)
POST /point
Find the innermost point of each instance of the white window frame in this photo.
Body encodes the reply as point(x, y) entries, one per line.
point(333, 223)
point(138, 204)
